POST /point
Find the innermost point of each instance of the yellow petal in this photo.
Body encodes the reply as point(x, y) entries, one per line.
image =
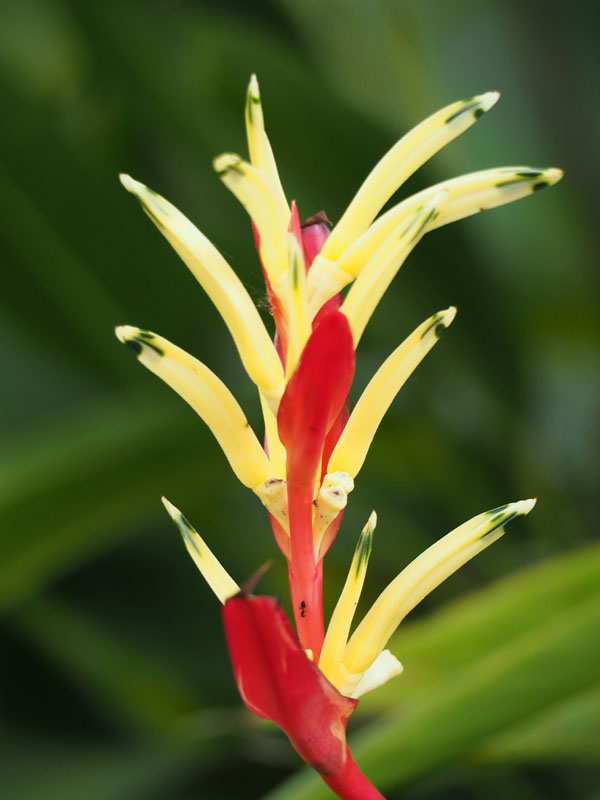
point(221, 284)
point(467, 195)
point(259, 147)
point(341, 619)
point(372, 282)
point(255, 193)
point(208, 396)
point(277, 454)
point(214, 574)
point(297, 306)
point(352, 446)
point(413, 150)
point(421, 577)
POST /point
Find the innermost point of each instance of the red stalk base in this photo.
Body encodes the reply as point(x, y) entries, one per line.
point(350, 783)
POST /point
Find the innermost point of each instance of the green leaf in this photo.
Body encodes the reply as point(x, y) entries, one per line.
point(569, 730)
point(53, 771)
point(142, 691)
point(85, 487)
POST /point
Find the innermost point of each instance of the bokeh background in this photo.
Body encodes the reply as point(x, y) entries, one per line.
point(115, 679)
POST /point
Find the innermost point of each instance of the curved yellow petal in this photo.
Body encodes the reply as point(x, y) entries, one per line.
point(468, 194)
point(255, 193)
point(352, 446)
point(208, 396)
point(277, 454)
point(421, 577)
point(220, 282)
point(373, 280)
point(219, 580)
point(407, 155)
point(297, 306)
point(259, 147)
point(343, 614)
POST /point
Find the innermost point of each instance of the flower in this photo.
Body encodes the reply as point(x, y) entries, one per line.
point(314, 448)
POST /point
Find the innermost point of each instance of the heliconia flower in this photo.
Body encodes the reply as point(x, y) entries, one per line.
point(309, 681)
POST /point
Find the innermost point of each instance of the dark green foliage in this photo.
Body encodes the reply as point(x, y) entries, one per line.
point(116, 682)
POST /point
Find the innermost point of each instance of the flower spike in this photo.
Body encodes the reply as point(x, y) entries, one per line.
point(207, 395)
point(221, 284)
point(411, 152)
point(421, 577)
point(306, 681)
point(219, 580)
point(352, 447)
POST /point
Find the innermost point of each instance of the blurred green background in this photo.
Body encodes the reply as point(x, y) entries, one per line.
point(114, 673)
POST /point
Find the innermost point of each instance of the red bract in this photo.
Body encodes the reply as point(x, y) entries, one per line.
point(278, 682)
point(314, 397)
point(315, 232)
point(312, 401)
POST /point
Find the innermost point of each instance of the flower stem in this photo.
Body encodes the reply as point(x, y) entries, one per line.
point(306, 575)
point(351, 784)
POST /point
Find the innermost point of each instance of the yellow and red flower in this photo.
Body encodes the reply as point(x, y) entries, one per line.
point(309, 681)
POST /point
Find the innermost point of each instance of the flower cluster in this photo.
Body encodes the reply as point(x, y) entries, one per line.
point(308, 682)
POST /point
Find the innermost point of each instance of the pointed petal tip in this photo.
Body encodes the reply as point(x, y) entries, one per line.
point(171, 510)
point(225, 162)
point(125, 332)
point(553, 175)
point(448, 316)
point(371, 522)
point(525, 506)
point(253, 89)
point(488, 99)
point(472, 108)
point(506, 513)
point(130, 183)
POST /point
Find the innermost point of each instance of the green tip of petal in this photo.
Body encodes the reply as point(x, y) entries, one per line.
point(185, 529)
point(476, 106)
point(371, 523)
point(447, 316)
point(253, 90)
point(138, 340)
point(537, 178)
point(227, 161)
point(487, 100)
point(499, 517)
point(525, 506)
point(126, 332)
point(173, 512)
point(439, 322)
point(552, 175)
point(364, 545)
point(130, 184)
